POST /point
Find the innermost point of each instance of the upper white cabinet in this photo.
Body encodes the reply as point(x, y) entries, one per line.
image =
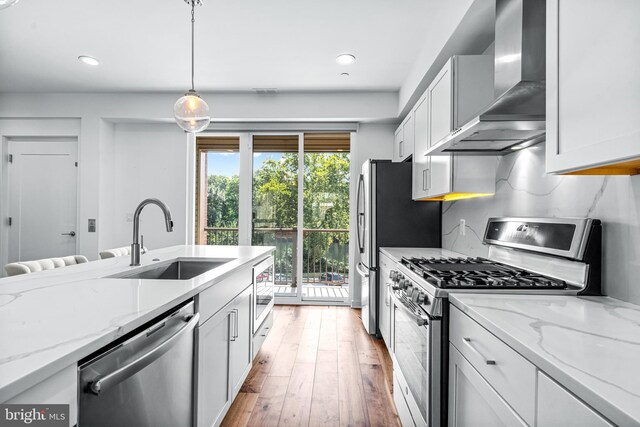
point(593, 89)
point(559, 408)
point(460, 91)
point(420, 166)
point(403, 141)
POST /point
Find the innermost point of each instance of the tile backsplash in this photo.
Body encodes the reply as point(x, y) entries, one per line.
point(523, 189)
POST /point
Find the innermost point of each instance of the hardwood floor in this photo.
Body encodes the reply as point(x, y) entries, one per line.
point(318, 367)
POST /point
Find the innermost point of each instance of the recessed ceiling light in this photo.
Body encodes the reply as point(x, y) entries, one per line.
point(89, 60)
point(344, 74)
point(345, 59)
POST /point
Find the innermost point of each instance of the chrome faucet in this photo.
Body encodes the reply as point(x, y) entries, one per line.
point(135, 246)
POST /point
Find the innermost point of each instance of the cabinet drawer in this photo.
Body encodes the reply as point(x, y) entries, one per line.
point(211, 300)
point(510, 374)
point(261, 335)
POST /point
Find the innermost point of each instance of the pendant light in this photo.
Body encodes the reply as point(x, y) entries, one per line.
point(191, 111)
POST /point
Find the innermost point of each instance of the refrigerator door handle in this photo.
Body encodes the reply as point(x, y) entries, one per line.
point(362, 271)
point(361, 218)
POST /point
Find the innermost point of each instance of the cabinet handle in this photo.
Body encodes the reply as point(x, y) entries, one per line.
point(467, 341)
point(424, 179)
point(234, 324)
point(400, 148)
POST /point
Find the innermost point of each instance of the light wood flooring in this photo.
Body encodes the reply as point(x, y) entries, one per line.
point(317, 367)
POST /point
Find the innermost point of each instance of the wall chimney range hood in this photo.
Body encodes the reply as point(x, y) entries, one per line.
point(516, 118)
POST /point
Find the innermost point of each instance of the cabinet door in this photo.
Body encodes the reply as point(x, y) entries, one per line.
point(441, 104)
point(472, 401)
point(397, 144)
point(420, 165)
point(406, 148)
point(214, 395)
point(241, 338)
point(559, 408)
point(592, 83)
point(386, 265)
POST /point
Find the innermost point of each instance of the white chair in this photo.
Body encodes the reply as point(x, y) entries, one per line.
point(25, 267)
point(112, 253)
point(123, 251)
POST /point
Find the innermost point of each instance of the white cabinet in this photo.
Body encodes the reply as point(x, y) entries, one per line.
point(420, 166)
point(460, 91)
point(510, 374)
point(386, 265)
point(403, 140)
point(241, 354)
point(59, 388)
point(557, 407)
point(593, 89)
point(224, 356)
point(472, 401)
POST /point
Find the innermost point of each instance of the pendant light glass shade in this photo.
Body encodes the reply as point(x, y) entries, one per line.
point(192, 112)
point(6, 3)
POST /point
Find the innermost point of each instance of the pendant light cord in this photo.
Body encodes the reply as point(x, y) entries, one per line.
point(193, 23)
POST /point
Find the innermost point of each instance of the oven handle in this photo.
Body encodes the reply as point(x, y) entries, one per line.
point(420, 320)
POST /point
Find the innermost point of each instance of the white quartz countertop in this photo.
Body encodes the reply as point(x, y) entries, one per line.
point(590, 345)
point(51, 319)
point(398, 253)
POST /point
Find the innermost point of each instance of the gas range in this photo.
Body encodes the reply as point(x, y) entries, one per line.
point(478, 273)
point(525, 255)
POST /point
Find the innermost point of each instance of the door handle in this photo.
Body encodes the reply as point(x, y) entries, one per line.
point(71, 233)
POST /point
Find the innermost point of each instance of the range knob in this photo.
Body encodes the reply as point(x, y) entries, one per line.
point(415, 296)
point(422, 298)
point(393, 275)
point(409, 289)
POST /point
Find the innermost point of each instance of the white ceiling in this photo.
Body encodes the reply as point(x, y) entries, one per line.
point(143, 45)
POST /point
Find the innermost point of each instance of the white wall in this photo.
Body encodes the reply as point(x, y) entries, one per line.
point(523, 189)
point(149, 162)
point(123, 138)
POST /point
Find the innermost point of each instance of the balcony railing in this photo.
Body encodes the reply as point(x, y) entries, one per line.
point(325, 252)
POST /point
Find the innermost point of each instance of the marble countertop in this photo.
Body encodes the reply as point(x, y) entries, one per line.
point(51, 319)
point(590, 345)
point(397, 253)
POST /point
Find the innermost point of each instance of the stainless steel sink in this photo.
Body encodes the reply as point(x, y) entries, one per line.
point(177, 270)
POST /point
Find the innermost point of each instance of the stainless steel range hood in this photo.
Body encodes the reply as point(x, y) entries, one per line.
point(516, 119)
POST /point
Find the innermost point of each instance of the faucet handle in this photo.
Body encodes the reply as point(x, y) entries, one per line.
point(143, 250)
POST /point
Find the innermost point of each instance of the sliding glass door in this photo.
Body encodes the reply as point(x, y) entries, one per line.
point(275, 205)
point(295, 188)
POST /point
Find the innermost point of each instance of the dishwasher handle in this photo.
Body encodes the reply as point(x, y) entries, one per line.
point(103, 383)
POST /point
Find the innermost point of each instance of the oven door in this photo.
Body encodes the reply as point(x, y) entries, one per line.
point(417, 351)
point(263, 282)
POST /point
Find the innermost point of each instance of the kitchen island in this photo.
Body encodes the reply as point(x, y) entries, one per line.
point(52, 319)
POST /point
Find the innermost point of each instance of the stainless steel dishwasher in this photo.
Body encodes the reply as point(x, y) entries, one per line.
point(146, 380)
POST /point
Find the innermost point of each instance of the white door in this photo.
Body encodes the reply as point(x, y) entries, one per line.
point(42, 184)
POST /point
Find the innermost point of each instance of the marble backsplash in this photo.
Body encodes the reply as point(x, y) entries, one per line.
point(523, 189)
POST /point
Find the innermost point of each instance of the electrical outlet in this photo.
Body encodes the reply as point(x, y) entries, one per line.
point(463, 227)
point(92, 225)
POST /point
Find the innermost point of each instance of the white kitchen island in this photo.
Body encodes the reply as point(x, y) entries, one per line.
point(52, 319)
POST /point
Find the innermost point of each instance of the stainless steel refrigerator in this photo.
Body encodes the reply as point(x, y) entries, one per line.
point(388, 217)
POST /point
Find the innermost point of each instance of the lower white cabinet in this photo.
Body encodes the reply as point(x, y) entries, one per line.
point(224, 357)
point(490, 384)
point(241, 354)
point(472, 401)
point(557, 407)
point(386, 265)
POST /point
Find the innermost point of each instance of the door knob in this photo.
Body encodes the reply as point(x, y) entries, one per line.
point(71, 233)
